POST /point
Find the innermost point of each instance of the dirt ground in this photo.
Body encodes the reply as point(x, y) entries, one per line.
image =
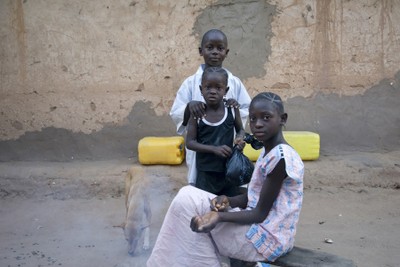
point(63, 213)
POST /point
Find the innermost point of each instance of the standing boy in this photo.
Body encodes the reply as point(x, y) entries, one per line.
point(212, 136)
point(214, 49)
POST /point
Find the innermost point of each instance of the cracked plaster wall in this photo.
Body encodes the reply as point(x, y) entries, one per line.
point(87, 80)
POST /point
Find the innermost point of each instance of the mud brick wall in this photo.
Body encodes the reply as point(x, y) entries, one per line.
point(88, 79)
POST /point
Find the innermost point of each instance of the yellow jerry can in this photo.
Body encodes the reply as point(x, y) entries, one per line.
point(307, 144)
point(161, 150)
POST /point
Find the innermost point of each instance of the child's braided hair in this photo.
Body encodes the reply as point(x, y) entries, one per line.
point(271, 97)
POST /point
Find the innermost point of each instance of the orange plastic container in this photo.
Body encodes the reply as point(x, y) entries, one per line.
point(161, 150)
point(307, 144)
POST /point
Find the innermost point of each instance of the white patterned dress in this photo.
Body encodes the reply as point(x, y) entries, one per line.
point(275, 235)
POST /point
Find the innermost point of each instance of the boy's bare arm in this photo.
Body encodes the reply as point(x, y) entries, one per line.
point(239, 129)
point(191, 135)
point(186, 116)
point(238, 123)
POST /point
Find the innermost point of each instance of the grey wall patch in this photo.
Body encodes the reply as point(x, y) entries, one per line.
point(247, 24)
point(112, 141)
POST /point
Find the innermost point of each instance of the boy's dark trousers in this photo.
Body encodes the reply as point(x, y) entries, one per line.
point(214, 182)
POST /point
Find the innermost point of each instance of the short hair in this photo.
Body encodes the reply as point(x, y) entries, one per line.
point(205, 36)
point(271, 97)
point(217, 70)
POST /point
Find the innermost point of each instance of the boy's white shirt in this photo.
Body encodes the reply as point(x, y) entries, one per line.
point(190, 90)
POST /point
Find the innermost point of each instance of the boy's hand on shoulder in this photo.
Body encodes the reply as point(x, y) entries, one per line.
point(232, 103)
point(222, 151)
point(197, 109)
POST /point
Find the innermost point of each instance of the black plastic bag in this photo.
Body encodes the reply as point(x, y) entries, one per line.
point(239, 168)
point(250, 139)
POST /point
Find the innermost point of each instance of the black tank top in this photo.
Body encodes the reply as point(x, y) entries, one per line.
point(216, 134)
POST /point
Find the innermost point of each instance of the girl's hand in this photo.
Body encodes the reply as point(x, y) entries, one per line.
point(232, 103)
point(223, 151)
point(205, 223)
point(219, 203)
point(197, 109)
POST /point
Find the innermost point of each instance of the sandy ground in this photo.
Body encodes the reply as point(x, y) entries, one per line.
point(62, 214)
